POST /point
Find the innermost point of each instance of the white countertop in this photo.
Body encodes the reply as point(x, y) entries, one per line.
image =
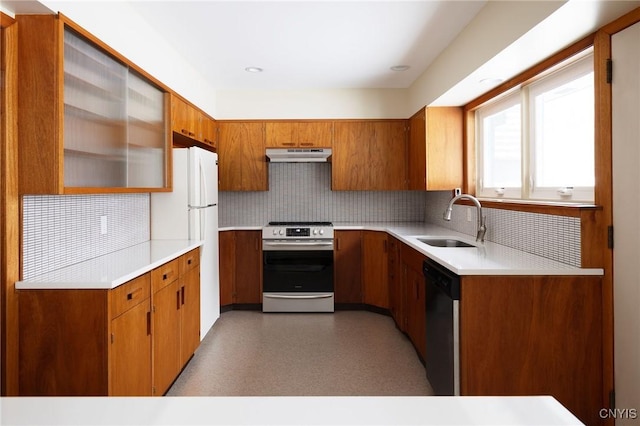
point(485, 259)
point(113, 269)
point(442, 410)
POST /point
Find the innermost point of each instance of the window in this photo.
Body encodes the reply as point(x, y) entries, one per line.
point(537, 142)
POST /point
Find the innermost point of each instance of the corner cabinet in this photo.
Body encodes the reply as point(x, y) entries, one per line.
point(435, 149)
point(89, 121)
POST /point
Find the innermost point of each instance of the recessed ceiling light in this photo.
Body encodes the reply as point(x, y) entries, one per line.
point(400, 67)
point(253, 69)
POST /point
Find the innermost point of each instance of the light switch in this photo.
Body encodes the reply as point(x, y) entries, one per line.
point(103, 225)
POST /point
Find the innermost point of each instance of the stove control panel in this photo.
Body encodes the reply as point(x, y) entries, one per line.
point(297, 232)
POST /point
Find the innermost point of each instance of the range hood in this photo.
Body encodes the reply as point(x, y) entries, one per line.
point(298, 155)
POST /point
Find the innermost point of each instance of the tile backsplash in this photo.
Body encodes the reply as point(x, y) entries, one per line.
point(550, 236)
point(302, 191)
point(59, 231)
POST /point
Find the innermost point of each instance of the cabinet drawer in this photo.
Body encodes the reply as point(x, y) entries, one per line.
point(129, 294)
point(189, 261)
point(165, 274)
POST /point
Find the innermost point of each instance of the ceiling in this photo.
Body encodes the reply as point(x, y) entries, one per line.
point(309, 44)
point(352, 44)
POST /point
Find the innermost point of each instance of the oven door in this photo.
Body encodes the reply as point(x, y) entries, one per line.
point(297, 276)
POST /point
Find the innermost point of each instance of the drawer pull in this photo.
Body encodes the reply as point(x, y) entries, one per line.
point(130, 296)
point(164, 276)
point(178, 299)
point(182, 292)
point(189, 261)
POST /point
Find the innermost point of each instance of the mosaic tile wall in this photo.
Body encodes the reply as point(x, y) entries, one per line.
point(62, 230)
point(302, 191)
point(550, 236)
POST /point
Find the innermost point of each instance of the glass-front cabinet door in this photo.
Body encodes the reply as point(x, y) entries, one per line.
point(114, 122)
point(90, 121)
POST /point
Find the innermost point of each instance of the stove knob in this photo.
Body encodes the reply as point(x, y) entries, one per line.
point(281, 232)
point(322, 232)
point(315, 232)
point(275, 232)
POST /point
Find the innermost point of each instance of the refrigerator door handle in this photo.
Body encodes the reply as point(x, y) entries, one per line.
point(202, 207)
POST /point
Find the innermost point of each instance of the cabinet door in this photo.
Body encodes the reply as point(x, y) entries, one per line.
point(248, 267)
point(415, 303)
point(280, 134)
point(388, 156)
point(350, 157)
point(227, 244)
point(209, 132)
point(375, 269)
point(241, 157)
point(166, 336)
point(347, 267)
point(435, 149)
point(396, 299)
point(317, 134)
point(190, 313)
point(131, 352)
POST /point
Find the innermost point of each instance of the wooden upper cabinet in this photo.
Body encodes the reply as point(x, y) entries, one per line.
point(241, 156)
point(185, 119)
point(369, 155)
point(435, 149)
point(89, 121)
point(299, 134)
point(191, 126)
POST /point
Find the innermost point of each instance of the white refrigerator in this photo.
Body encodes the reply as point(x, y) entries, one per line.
point(191, 212)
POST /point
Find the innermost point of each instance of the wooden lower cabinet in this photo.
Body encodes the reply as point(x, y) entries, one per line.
point(414, 298)
point(240, 267)
point(118, 342)
point(176, 318)
point(375, 267)
point(396, 293)
point(534, 335)
point(347, 267)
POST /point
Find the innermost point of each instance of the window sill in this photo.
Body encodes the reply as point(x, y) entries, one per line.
point(543, 207)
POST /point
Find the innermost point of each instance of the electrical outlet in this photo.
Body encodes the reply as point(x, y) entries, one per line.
point(103, 225)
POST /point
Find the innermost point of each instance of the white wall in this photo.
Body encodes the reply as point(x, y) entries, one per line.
point(347, 103)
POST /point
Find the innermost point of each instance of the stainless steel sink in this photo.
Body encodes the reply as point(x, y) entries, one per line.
point(444, 242)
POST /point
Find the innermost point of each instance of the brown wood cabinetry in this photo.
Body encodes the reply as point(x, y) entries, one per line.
point(533, 335)
point(414, 297)
point(299, 134)
point(241, 156)
point(369, 155)
point(375, 267)
point(86, 342)
point(191, 126)
point(396, 294)
point(84, 113)
point(435, 149)
point(102, 342)
point(176, 317)
point(347, 267)
point(240, 267)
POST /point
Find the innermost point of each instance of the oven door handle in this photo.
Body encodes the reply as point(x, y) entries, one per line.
point(316, 245)
point(302, 296)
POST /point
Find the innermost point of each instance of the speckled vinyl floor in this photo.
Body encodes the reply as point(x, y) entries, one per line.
point(348, 353)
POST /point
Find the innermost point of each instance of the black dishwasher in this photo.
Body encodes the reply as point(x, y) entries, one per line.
point(442, 296)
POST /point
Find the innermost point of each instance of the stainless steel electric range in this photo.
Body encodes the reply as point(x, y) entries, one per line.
point(297, 267)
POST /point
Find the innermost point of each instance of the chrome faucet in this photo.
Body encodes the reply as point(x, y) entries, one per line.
point(482, 228)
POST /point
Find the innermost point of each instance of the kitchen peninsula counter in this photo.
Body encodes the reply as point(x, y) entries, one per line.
point(113, 269)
